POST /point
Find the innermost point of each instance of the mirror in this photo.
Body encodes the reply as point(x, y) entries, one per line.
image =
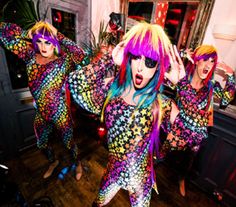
point(184, 21)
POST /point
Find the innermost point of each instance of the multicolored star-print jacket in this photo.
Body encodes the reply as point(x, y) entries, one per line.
point(195, 113)
point(45, 81)
point(129, 127)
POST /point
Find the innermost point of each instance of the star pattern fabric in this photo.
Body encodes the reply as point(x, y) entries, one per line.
point(129, 127)
point(190, 127)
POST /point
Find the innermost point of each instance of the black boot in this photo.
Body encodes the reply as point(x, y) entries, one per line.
point(95, 204)
point(48, 152)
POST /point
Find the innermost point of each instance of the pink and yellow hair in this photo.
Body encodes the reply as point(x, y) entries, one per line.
point(203, 52)
point(148, 40)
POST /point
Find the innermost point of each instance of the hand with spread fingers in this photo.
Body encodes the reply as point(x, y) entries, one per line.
point(188, 54)
point(177, 70)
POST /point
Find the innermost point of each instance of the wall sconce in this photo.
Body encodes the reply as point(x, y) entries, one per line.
point(224, 31)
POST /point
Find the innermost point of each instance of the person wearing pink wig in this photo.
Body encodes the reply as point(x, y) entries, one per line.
point(195, 87)
point(132, 107)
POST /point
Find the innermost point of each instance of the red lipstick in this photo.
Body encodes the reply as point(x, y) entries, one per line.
point(138, 79)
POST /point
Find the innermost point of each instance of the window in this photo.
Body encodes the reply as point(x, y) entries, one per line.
point(184, 21)
point(64, 22)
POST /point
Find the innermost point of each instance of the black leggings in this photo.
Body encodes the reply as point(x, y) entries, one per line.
point(182, 161)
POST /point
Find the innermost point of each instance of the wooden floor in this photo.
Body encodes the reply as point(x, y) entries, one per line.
point(27, 171)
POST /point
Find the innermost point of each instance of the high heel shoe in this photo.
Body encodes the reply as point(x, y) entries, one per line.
point(94, 204)
point(182, 187)
point(77, 168)
point(50, 169)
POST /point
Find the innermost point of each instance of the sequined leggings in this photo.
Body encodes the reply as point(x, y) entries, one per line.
point(139, 194)
point(62, 122)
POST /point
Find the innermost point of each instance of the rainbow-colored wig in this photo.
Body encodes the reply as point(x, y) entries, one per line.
point(150, 41)
point(203, 52)
point(43, 30)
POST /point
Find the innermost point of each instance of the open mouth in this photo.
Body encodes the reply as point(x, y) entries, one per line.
point(138, 79)
point(205, 71)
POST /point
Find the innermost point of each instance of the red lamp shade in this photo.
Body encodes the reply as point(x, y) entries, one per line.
point(102, 131)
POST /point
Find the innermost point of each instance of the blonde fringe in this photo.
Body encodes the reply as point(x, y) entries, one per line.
point(205, 49)
point(45, 25)
point(139, 31)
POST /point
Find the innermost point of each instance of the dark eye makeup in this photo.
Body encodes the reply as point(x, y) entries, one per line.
point(46, 42)
point(149, 63)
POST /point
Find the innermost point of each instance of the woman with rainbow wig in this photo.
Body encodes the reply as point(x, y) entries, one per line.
point(195, 89)
point(132, 107)
point(47, 69)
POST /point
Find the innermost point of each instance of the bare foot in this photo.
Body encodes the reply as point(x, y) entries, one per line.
point(51, 168)
point(182, 187)
point(78, 171)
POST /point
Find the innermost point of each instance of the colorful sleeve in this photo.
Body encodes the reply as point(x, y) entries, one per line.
point(169, 84)
point(166, 126)
point(226, 94)
point(77, 54)
point(177, 132)
point(183, 133)
point(13, 39)
point(177, 137)
point(164, 113)
point(87, 84)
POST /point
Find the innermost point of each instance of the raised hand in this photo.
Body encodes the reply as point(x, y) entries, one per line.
point(225, 68)
point(188, 54)
point(177, 70)
point(117, 53)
